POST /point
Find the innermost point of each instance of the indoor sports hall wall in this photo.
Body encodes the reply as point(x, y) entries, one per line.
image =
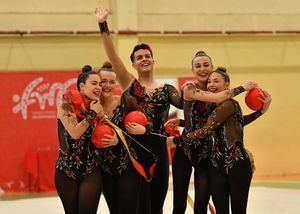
point(252, 40)
point(270, 60)
point(166, 15)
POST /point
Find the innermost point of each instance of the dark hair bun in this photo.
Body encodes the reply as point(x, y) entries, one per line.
point(200, 53)
point(86, 68)
point(222, 69)
point(107, 64)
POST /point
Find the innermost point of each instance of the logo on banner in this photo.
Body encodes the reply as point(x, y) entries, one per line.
point(43, 94)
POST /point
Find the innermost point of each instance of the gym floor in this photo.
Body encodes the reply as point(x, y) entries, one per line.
point(265, 197)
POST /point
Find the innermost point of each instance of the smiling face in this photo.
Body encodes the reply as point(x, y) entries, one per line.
point(202, 68)
point(216, 83)
point(143, 61)
point(108, 83)
point(91, 88)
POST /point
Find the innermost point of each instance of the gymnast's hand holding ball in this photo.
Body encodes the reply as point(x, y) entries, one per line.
point(110, 139)
point(258, 99)
point(104, 136)
point(135, 122)
point(266, 99)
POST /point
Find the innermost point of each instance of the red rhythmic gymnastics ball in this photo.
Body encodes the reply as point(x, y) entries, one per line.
point(100, 130)
point(252, 99)
point(136, 117)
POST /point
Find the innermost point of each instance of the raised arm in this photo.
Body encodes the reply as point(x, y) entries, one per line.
point(215, 119)
point(123, 76)
point(67, 116)
point(193, 93)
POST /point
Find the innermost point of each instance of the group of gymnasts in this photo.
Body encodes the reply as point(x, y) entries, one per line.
point(131, 168)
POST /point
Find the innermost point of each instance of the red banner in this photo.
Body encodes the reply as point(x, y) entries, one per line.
point(28, 127)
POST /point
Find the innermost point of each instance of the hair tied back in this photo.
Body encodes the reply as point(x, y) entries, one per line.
point(86, 68)
point(222, 69)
